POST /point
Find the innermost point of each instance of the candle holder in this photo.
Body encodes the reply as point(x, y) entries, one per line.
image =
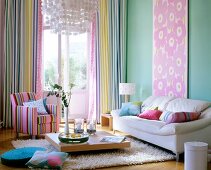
point(78, 125)
point(91, 126)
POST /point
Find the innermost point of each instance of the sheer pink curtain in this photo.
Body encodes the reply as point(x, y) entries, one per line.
point(92, 73)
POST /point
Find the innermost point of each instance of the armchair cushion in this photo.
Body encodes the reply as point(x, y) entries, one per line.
point(39, 104)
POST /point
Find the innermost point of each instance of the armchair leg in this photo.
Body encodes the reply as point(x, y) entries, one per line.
point(177, 157)
point(33, 136)
point(17, 135)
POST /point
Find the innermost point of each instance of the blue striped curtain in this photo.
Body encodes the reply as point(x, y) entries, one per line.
point(111, 59)
point(117, 43)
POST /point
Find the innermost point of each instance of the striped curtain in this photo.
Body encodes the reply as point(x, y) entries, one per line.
point(112, 56)
point(22, 50)
point(2, 17)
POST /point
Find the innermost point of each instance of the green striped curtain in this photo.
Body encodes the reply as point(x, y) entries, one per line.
point(112, 43)
point(21, 50)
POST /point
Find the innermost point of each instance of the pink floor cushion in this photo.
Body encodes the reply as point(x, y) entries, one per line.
point(47, 160)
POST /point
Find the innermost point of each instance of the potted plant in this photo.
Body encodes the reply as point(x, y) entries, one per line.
point(56, 90)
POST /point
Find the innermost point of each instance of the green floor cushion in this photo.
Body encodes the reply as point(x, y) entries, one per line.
point(19, 157)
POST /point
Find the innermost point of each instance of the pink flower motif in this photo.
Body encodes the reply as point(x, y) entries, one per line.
point(176, 87)
point(171, 44)
point(171, 16)
point(180, 61)
point(180, 31)
point(160, 9)
point(180, 6)
point(171, 1)
point(159, 87)
point(160, 37)
point(159, 61)
point(179, 85)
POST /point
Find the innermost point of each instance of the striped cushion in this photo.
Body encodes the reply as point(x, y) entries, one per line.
point(164, 116)
point(178, 117)
point(46, 118)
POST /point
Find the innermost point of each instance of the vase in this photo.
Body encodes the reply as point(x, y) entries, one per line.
point(66, 128)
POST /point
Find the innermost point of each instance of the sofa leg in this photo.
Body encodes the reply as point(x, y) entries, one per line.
point(114, 131)
point(177, 156)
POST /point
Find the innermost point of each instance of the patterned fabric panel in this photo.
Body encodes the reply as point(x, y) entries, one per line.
point(46, 128)
point(26, 120)
point(52, 109)
point(19, 98)
point(46, 118)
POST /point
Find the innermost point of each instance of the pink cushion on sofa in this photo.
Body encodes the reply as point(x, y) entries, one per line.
point(150, 114)
point(179, 117)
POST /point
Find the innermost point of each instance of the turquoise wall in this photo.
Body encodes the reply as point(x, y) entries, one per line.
point(200, 49)
point(139, 48)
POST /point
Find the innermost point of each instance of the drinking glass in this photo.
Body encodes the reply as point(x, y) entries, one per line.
point(78, 125)
point(91, 126)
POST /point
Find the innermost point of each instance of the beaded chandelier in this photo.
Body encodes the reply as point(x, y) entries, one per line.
point(69, 16)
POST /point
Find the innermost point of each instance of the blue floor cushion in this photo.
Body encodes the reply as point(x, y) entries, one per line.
point(19, 157)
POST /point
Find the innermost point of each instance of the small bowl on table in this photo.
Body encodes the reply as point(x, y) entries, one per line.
point(73, 138)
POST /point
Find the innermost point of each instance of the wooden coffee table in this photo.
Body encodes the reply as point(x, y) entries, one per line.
point(92, 144)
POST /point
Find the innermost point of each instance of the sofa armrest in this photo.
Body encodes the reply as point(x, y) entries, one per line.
point(115, 113)
point(206, 114)
point(52, 109)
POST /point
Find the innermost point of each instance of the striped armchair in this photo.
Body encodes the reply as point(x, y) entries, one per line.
point(26, 119)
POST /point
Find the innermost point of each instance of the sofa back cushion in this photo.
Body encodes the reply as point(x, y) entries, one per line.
point(150, 114)
point(178, 117)
point(187, 105)
point(156, 101)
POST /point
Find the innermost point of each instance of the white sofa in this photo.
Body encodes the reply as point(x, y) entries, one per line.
point(170, 136)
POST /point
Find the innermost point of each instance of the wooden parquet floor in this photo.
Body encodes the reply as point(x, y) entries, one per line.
point(7, 135)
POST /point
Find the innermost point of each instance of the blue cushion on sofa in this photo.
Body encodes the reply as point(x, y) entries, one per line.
point(19, 157)
point(130, 108)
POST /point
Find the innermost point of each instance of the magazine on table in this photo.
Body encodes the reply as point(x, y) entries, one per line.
point(113, 139)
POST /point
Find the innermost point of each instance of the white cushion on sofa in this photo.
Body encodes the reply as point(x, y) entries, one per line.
point(187, 105)
point(157, 101)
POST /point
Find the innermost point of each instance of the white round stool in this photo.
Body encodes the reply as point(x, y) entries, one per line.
point(196, 155)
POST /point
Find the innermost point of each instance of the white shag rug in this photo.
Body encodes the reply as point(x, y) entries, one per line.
point(138, 153)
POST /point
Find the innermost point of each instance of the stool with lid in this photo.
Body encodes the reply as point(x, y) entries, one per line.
point(196, 155)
